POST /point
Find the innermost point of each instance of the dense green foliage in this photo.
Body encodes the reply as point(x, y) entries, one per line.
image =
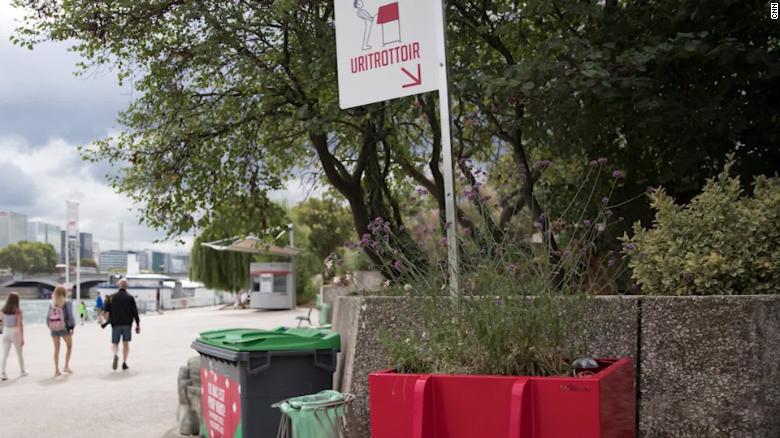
point(88, 263)
point(724, 242)
point(225, 270)
point(328, 222)
point(29, 258)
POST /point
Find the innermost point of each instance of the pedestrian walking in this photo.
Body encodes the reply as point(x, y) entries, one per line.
point(121, 311)
point(99, 309)
point(61, 324)
point(13, 333)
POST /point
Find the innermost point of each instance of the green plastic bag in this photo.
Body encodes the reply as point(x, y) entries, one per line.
point(315, 416)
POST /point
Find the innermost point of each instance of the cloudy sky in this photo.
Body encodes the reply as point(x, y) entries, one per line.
point(45, 113)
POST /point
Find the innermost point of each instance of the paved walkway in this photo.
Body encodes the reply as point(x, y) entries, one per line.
point(96, 401)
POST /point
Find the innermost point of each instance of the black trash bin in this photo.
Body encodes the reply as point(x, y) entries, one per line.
point(244, 371)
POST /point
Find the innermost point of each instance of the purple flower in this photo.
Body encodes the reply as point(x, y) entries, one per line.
point(365, 240)
point(397, 265)
point(538, 225)
point(618, 174)
point(630, 246)
point(611, 262)
point(593, 163)
point(602, 160)
point(448, 225)
point(608, 213)
point(650, 189)
point(443, 241)
point(587, 222)
point(421, 191)
point(605, 200)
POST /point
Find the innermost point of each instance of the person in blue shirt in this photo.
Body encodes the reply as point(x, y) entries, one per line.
point(99, 309)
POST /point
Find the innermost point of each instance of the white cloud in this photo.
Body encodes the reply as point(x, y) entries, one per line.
point(296, 190)
point(60, 175)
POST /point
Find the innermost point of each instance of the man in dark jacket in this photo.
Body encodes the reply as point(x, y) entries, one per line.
point(121, 311)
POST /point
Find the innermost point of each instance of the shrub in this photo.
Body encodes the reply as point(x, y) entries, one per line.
point(307, 266)
point(521, 299)
point(723, 243)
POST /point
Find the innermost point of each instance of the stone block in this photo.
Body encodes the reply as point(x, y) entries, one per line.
point(194, 398)
point(187, 421)
point(710, 367)
point(182, 385)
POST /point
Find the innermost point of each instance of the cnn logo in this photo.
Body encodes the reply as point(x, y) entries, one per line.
point(773, 10)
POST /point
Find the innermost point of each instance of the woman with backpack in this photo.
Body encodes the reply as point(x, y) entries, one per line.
point(61, 323)
point(13, 333)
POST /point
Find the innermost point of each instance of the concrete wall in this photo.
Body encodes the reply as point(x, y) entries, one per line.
point(25, 293)
point(706, 366)
point(710, 366)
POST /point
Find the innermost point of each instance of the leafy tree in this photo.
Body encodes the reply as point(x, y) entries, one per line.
point(329, 224)
point(89, 263)
point(29, 257)
point(235, 97)
point(226, 270)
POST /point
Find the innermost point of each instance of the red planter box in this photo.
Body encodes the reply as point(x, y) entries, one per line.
point(464, 406)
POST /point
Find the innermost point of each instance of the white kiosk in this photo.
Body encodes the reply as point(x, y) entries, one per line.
point(272, 284)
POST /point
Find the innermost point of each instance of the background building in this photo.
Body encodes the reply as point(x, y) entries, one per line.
point(85, 246)
point(13, 228)
point(113, 259)
point(85, 240)
point(180, 264)
point(45, 233)
point(96, 252)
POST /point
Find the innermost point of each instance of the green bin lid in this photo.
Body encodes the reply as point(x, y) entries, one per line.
point(278, 339)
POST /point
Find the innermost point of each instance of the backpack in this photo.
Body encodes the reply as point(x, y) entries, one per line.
point(56, 319)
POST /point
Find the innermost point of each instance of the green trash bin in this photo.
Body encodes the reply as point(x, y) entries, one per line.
point(321, 415)
point(244, 371)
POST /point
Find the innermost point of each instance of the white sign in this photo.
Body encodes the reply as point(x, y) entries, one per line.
point(73, 220)
point(386, 49)
point(266, 283)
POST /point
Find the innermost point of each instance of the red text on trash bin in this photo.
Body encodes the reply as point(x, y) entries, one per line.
point(221, 404)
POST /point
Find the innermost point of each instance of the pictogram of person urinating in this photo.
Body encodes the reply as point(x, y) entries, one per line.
point(387, 16)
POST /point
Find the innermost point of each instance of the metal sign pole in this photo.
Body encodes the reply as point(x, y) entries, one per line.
point(78, 275)
point(446, 141)
point(67, 243)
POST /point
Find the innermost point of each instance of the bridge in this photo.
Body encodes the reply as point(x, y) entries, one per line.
point(47, 282)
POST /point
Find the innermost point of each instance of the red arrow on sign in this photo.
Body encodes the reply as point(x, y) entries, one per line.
point(417, 80)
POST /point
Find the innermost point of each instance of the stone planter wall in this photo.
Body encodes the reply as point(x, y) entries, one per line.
point(706, 366)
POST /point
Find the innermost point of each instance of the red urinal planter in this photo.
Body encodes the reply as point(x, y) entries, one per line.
point(464, 406)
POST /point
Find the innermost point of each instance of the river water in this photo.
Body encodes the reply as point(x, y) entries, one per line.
point(35, 310)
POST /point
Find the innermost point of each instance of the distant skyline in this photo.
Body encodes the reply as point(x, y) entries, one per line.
point(45, 114)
